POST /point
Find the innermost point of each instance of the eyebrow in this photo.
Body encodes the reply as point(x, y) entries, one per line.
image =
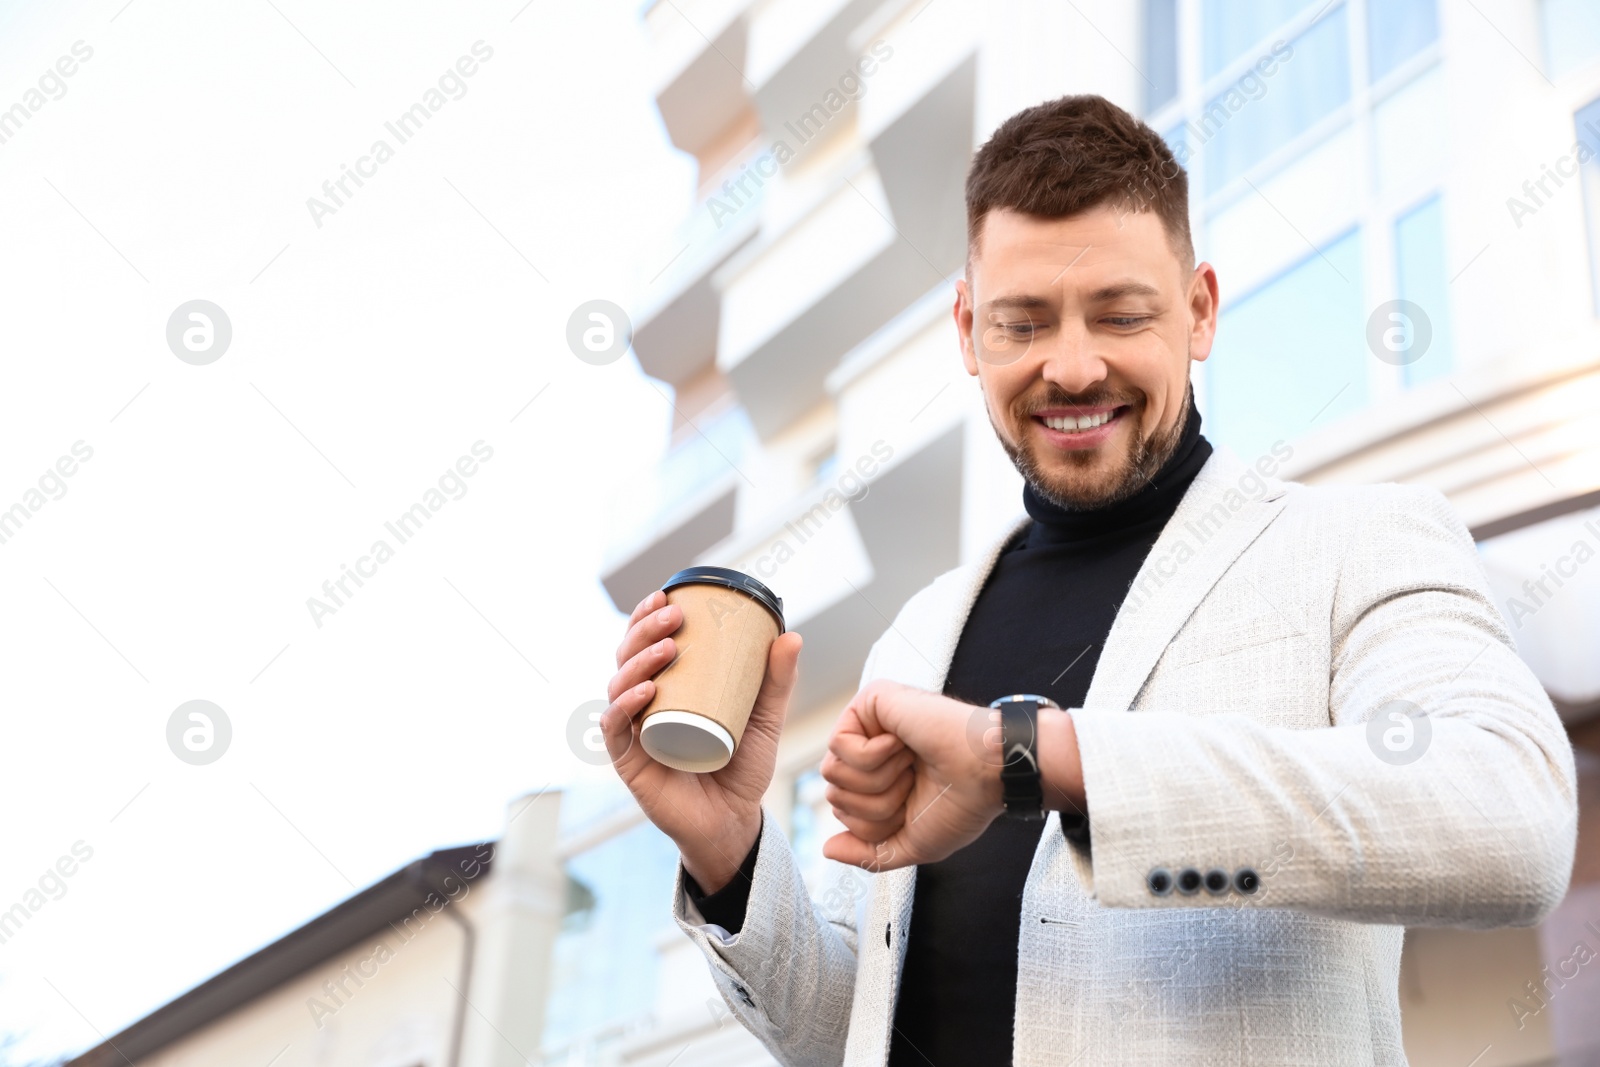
point(1121, 289)
point(1105, 294)
point(1019, 303)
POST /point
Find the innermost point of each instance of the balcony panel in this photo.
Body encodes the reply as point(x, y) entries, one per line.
point(709, 95)
point(786, 35)
point(683, 506)
point(922, 156)
point(670, 546)
point(699, 54)
point(925, 42)
point(845, 568)
point(678, 317)
point(799, 51)
point(794, 309)
point(676, 326)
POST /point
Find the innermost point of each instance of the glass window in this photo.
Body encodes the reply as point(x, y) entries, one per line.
point(1232, 26)
point(812, 823)
point(1160, 52)
point(603, 967)
point(1588, 123)
point(703, 457)
point(1275, 101)
point(1398, 30)
point(1424, 279)
point(1177, 140)
point(1571, 34)
point(1292, 355)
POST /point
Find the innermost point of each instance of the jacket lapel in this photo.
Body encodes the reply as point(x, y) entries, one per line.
point(1212, 525)
point(921, 658)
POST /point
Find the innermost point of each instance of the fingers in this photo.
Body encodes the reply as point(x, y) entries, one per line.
point(644, 666)
point(617, 726)
point(645, 606)
point(652, 620)
point(837, 772)
point(646, 649)
point(883, 856)
point(872, 816)
point(851, 746)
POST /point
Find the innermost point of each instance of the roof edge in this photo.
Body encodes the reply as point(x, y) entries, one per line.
point(334, 931)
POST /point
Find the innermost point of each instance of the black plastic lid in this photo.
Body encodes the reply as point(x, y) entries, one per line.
point(732, 579)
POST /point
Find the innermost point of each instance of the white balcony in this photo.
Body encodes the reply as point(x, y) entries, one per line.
point(922, 155)
point(798, 51)
point(679, 509)
point(699, 51)
point(795, 302)
point(677, 321)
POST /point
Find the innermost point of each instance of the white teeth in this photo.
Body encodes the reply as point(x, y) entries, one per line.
point(1069, 424)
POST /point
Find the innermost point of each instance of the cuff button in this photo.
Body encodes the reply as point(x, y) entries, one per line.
point(1188, 881)
point(1217, 881)
point(1246, 880)
point(1159, 881)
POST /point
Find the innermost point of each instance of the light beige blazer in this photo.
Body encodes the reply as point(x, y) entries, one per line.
point(1228, 726)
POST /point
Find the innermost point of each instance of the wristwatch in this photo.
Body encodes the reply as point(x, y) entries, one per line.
point(1022, 788)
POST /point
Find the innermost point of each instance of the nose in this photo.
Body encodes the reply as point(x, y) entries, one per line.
point(1070, 360)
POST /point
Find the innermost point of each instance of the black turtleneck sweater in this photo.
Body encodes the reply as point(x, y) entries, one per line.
point(1037, 626)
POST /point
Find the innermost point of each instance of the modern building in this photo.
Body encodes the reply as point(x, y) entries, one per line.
point(1344, 155)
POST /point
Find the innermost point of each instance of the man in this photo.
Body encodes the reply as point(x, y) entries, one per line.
point(1293, 720)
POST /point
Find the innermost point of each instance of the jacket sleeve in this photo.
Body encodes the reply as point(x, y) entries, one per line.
point(1442, 793)
point(789, 974)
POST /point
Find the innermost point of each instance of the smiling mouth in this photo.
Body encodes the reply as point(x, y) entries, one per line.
point(1067, 422)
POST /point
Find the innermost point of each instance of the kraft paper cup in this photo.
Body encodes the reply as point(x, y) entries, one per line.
point(705, 695)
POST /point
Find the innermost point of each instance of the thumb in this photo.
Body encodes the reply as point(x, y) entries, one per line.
point(783, 671)
point(850, 849)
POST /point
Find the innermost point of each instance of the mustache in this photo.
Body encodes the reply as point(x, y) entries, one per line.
point(1060, 398)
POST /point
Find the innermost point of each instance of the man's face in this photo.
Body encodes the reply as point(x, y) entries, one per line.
point(1080, 331)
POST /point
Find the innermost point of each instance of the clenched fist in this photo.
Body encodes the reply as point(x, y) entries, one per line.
point(915, 776)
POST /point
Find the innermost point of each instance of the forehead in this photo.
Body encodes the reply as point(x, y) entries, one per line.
point(1017, 251)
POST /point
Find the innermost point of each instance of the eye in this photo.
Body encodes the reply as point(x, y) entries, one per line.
point(1128, 320)
point(1020, 328)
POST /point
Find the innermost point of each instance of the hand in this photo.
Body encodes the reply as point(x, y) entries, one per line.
point(913, 776)
point(714, 818)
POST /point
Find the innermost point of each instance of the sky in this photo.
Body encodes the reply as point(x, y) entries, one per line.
point(185, 500)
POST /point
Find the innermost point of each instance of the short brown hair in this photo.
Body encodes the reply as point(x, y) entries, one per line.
point(1074, 153)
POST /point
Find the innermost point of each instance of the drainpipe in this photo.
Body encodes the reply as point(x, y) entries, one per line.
point(469, 942)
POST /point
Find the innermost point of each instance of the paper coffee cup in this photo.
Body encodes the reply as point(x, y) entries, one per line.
point(704, 696)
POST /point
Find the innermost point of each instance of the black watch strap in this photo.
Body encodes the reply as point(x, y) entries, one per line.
point(1021, 785)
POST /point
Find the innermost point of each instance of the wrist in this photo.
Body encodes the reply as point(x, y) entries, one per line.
point(713, 862)
point(1059, 764)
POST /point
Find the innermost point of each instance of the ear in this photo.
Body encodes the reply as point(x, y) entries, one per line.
point(1202, 311)
point(963, 316)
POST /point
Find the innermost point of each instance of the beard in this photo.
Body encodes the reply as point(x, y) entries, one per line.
point(1086, 484)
